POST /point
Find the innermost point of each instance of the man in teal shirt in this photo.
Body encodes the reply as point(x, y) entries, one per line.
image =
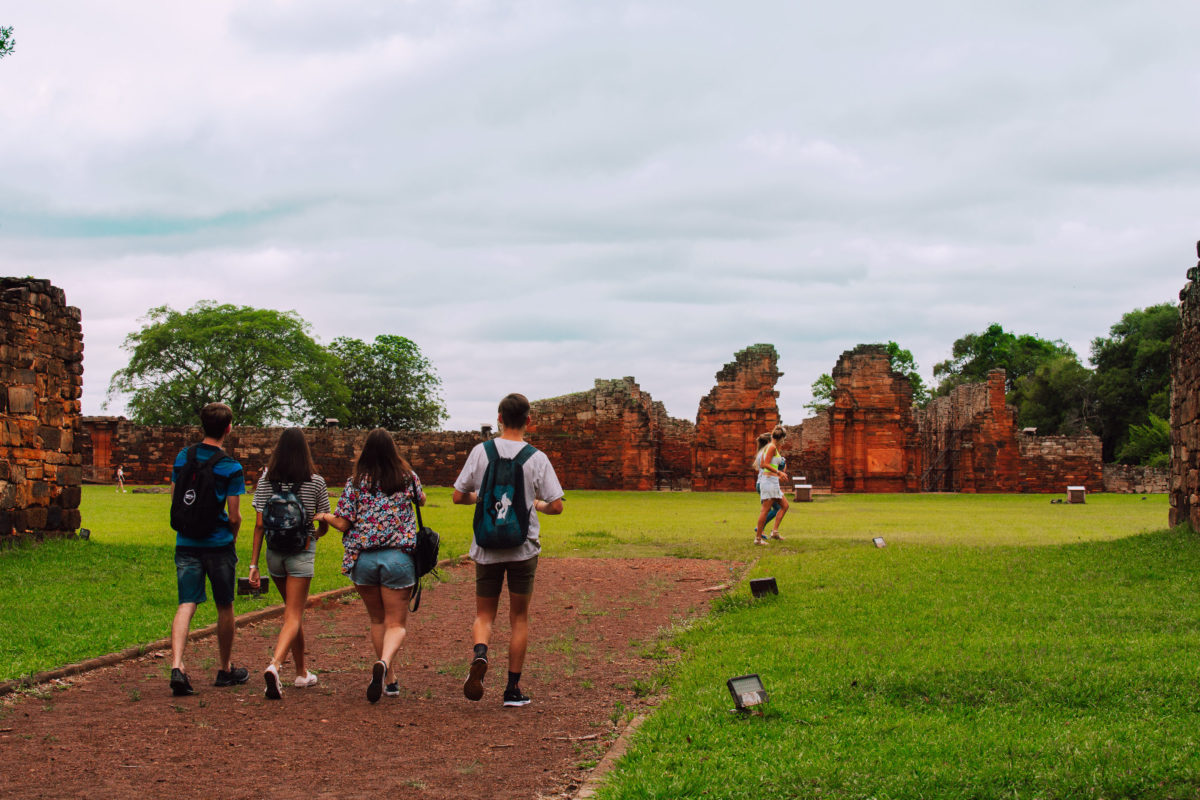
point(212, 557)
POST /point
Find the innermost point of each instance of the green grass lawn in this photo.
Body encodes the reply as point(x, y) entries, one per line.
point(999, 646)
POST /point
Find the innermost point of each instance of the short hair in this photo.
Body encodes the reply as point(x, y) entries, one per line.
point(514, 411)
point(215, 419)
point(764, 439)
point(778, 433)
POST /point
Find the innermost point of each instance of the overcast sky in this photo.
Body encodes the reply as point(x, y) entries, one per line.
point(544, 193)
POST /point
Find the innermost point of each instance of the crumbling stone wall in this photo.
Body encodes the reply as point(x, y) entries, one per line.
point(1185, 407)
point(971, 443)
point(807, 450)
point(148, 451)
point(1134, 479)
point(874, 445)
point(673, 463)
point(740, 407)
point(604, 438)
point(41, 374)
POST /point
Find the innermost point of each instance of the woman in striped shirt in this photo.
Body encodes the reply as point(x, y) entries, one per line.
point(291, 467)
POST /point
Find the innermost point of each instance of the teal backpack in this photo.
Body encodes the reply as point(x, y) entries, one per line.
point(501, 516)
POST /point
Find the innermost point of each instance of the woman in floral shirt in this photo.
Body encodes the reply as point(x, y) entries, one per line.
point(379, 529)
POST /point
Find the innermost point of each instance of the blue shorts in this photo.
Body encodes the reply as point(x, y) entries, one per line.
point(392, 568)
point(194, 564)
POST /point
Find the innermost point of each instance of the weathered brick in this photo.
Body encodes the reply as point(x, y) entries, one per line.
point(1185, 406)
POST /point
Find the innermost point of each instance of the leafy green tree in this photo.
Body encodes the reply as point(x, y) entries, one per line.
point(1148, 444)
point(1133, 372)
point(7, 42)
point(977, 354)
point(901, 360)
point(391, 385)
point(262, 363)
point(1058, 398)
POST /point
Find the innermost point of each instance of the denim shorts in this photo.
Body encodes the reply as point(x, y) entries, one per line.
point(489, 578)
point(292, 565)
point(194, 564)
point(392, 568)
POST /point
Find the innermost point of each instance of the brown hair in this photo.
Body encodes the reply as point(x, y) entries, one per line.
point(779, 433)
point(215, 419)
point(763, 440)
point(514, 411)
point(380, 466)
point(291, 461)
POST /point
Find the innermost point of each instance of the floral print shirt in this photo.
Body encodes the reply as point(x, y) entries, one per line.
point(380, 521)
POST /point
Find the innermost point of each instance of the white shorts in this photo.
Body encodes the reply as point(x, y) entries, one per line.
point(768, 488)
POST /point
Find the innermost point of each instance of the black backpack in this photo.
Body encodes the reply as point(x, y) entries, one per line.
point(285, 524)
point(195, 507)
point(501, 516)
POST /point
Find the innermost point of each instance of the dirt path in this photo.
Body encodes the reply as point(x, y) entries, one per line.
point(117, 732)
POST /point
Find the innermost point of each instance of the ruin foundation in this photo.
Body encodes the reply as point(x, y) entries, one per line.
point(1185, 407)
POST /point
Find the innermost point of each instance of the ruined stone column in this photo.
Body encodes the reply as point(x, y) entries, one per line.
point(1185, 407)
point(41, 375)
point(742, 405)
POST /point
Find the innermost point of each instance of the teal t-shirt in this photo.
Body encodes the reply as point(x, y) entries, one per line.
point(230, 480)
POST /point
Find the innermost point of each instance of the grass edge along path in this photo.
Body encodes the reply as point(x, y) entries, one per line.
point(919, 671)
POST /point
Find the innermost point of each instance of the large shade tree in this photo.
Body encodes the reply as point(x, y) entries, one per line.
point(1133, 375)
point(976, 354)
point(262, 363)
point(391, 385)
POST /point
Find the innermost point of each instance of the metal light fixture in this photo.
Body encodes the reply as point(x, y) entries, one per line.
point(747, 692)
point(759, 587)
point(879, 542)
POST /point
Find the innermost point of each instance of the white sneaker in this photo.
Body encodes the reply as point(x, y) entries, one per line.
point(271, 677)
point(309, 678)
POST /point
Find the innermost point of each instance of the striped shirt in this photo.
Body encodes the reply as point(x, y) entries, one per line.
point(312, 494)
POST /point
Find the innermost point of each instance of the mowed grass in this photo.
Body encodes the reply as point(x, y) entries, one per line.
point(949, 671)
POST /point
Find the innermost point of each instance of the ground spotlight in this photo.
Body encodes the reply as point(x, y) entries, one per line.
point(747, 692)
point(760, 587)
point(879, 542)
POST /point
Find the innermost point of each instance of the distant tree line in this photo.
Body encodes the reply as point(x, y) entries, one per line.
point(1124, 397)
point(268, 368)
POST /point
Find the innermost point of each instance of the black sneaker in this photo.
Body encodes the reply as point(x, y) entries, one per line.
point(473, 688)
point(375, 687)
point(232, 677)
point(514, 698)
point(180, 685)
point(392, 689)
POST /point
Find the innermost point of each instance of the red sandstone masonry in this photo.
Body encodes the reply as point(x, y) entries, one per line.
point(740, 407)
point(874, 445)
point(1185, 407)
point(1133, 479)
point(41, 380)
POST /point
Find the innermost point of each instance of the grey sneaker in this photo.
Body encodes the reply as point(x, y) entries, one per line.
point(514, 698)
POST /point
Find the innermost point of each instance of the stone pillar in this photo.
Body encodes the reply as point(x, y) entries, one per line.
point(1185, 407)
point(41, 381)
point(874, 444)
point(742, 405)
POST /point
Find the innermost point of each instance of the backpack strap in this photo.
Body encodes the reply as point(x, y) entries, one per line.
point(489, 447)
point(527, 452)
point(414, 601)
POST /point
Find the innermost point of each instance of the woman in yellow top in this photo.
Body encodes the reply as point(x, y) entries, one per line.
point(769, 489)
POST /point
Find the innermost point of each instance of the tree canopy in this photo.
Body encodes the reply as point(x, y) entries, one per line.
point(975, 355)
point(1133, 372)
point(7, 42)
point(262, 363)
point(1057, 398)
point(391, 385)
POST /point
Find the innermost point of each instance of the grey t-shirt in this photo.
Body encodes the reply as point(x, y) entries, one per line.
point(540, 484)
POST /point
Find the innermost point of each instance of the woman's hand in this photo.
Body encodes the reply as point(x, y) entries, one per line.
point(255, 579)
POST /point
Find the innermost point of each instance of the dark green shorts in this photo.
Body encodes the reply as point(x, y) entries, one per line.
point(489, 578)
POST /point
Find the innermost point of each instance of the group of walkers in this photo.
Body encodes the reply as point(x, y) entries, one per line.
point(508, 481)
point(769, 465)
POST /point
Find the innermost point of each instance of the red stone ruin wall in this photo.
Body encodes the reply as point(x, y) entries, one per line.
point(147, 451)
point(874, 446)
point(1052, 463)
point(606, 438)
point(41, 375)
point(673, 465)
point(740, 407)
point(807, 450)
point(1185, 407)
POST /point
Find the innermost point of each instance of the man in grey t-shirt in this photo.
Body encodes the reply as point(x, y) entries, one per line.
point(544, 494)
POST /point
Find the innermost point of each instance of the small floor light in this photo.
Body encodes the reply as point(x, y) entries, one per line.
point(747, 692)
point(879, 542)
point(760, 587)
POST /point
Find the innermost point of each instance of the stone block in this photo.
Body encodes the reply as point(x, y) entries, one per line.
point(21, 400)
